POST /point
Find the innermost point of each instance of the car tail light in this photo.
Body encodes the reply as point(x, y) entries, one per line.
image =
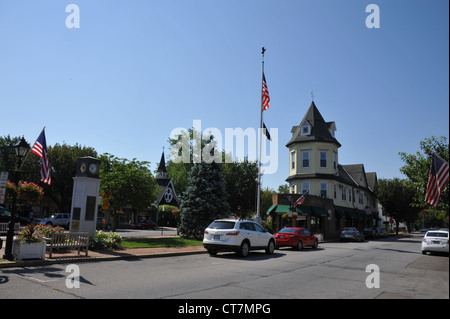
point(206, 232)
point(233, 233)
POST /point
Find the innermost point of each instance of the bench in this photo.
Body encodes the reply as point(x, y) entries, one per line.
point(68, 240)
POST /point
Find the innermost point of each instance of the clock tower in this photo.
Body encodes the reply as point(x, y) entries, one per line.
point(86, 189)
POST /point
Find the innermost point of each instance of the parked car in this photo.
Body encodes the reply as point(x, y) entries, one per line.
point(5, 217)
point(239, 236)
point(100, 225)
point(381, 233)
point(296, 237)
point(435, 241)
point(369, 232)
point(145, 224)
point(60, 219)
point(351, 233)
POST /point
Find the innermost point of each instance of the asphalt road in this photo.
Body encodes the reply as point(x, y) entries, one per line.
point(334, 270)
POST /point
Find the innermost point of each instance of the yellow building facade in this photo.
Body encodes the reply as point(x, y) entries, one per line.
point(314, 167)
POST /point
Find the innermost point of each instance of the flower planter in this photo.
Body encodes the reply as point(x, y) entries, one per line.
point(28, 251)
point(319, 237)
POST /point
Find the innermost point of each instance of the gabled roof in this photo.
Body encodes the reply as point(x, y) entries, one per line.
point(320, 130)
point(357, 173)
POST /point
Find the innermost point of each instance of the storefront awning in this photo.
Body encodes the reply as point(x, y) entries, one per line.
point(278, 209)
point(319, 211)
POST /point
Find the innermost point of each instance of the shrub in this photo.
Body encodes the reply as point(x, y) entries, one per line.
point(104, 240)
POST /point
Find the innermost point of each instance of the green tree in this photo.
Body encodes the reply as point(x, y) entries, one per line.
point(241, 186)
point(396, 197)
point(8, 161)
point(62, 159)
point(283, 189)
point(204, 200)
point(417, 168)
point(129, 183)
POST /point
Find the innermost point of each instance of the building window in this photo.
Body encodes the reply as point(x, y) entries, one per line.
point(323, 160)
point(344, 193)
point(306, 129)
point(323, 189)
point(361, 197)
point(292, 188)
point(293, 160)
point(305, 187)
point(334, 160)
point(305, 159)
point(335, 191)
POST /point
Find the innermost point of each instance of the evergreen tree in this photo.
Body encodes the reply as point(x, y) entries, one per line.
point(204, 200)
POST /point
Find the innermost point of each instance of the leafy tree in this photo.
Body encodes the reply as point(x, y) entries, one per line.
point(241, 186)
point(204, 200)
point(283, 189)
point(62, 159)
point(396, 196)
point(8, 161)
point(128, 183)
point(417, 168)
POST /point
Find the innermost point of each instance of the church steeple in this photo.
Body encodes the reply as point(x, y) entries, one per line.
point(162, 172)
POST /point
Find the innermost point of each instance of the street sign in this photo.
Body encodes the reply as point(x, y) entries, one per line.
point(3, 182)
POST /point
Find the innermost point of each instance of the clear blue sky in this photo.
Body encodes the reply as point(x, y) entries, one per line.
point(137, 69)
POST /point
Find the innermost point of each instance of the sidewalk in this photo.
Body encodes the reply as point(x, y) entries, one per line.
point(104, 255)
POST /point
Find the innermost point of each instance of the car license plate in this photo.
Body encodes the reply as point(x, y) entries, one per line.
point(281, 236)
point(216, 237)
point(436, 242)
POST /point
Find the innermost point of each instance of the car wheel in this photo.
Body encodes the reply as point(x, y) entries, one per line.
point(270, 247)
point(424, 252)
point(212, 252)
point(245, 249)
point(316, 244)
point(299, 245)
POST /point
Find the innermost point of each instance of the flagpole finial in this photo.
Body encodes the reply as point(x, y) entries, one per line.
point(263, 50)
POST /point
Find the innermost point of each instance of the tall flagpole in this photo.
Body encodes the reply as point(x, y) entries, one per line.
point(258, 202)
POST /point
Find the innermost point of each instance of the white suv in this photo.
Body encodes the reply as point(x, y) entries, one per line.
point(239, 236)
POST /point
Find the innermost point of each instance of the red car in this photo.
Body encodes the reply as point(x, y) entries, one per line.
point(296, 237)
point(145, 224)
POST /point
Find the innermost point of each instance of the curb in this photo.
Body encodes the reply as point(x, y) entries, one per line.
point(72, 260)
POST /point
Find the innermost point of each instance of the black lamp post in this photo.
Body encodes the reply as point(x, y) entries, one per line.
point(21, 149)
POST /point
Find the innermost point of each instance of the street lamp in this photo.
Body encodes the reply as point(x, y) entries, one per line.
point(21, 149)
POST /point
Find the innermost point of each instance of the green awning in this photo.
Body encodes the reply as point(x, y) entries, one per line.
point(339, 212)
point(271, 209)
point(303, 210)
point(319, 211)
point(278, 209)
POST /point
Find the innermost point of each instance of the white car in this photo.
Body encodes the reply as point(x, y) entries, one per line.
point(239, 236)
point(60, 219)
point(435, 241)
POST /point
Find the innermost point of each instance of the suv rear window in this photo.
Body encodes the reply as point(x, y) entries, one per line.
point(222, 225)
point(436, 234)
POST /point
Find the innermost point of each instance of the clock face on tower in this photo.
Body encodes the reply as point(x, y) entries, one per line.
point(93, 168)
point(83, 167)
point(88, 167)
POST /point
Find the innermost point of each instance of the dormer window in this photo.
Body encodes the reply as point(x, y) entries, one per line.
point(306, 129)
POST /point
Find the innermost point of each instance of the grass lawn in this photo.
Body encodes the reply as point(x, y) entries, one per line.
point(159, 242)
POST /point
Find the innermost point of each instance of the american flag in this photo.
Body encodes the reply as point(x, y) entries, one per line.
point(40, 149)
point(265, 95)
point(437, 178)
point(300, 200)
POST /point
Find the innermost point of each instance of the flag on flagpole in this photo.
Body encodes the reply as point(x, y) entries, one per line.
point(300, 200)
point(40, 149)
point(265, 95)
point(266, 131)
point(437, 178)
